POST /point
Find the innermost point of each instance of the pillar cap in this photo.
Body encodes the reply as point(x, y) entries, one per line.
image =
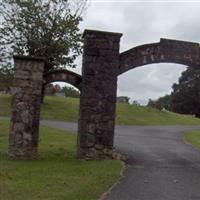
point(35, 58)
point(97, 32)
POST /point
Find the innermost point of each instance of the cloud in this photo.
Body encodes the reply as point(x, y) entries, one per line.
point(142, 23)
point(151, 81)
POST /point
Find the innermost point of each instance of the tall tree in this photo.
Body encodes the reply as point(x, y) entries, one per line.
point(185, 97)
point(47, 28)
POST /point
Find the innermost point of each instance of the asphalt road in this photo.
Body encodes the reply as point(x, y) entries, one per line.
point(161, 165)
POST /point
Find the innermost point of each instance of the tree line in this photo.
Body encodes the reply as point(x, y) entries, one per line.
point(185, 95)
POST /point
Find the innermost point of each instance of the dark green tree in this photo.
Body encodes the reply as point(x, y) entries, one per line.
point(185, 97)
point(123, 99)
point(47, 28)
point(151, 103)
point(164, 102)
point(154, 104)
point(135, 103)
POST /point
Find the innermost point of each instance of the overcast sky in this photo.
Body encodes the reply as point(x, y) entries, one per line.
point(144, 22)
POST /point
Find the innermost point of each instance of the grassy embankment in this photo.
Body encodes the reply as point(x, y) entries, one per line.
point(193, 138)
point(57, 174)
point(66, 109)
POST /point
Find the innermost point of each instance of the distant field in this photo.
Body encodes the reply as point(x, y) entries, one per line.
point(66, 109)
point(56, 174)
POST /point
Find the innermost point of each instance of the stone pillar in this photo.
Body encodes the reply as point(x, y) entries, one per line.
point(26, 98)
point(98, 94)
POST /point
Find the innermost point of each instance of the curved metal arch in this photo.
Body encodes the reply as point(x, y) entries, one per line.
point(64, 76)
point(165, 51)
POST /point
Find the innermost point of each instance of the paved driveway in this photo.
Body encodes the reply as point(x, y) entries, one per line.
point(161, 165)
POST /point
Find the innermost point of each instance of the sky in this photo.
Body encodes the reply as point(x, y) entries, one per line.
point(143, 22)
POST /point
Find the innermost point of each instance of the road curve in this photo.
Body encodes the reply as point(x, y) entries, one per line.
point(161, 165)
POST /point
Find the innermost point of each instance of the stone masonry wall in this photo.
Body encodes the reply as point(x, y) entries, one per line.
point(63, 76)
point(98, 96)
point(165, 51)
point(26, 97)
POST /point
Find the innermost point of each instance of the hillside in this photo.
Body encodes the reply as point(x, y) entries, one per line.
point(66, 109)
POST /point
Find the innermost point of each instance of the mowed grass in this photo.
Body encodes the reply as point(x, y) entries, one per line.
point(5, 103)
point(193, 138)
point(60, 108)
point(56, 174)
point(144, 115)
point(67, 109)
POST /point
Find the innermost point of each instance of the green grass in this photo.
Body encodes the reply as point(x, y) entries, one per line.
point(193, 138)
point(66, 109)
point(56, 174)
point(5, 103)
point(144, 115)
point(60, 108)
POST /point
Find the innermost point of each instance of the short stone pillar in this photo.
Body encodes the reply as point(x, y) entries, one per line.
point(26, 97)
point(98, 94)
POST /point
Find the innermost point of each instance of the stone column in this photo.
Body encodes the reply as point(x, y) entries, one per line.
point(26, 98)
point(98, 94)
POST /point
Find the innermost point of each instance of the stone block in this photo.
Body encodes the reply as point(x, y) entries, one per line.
point(99, 84)
point(26, 97)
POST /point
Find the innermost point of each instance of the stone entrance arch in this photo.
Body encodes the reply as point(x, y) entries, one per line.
point(102, 63)
point(63, 76)
point(26, 98)
point(165, 51)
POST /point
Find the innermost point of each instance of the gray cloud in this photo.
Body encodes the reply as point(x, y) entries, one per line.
point(142, 23)
point(151, 81)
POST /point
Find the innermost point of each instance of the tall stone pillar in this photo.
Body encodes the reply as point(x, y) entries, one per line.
point(98, 95)
point(26, 98)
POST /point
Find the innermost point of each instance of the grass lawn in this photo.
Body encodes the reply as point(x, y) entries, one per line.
point(4, 105)
point(57, 174)
point(193, 138)
point(144, 115)
point(66, 109)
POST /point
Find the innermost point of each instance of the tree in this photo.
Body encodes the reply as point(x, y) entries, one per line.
point(70, 92)
point(161, 102)
point(151, 103)
point(57, 88)
point(6, 72)
point(154, 104)
point(164, 102)
point(185, 97)
point(50, 90)
point(135, 103)
point(46, 28)
point(123, 99)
